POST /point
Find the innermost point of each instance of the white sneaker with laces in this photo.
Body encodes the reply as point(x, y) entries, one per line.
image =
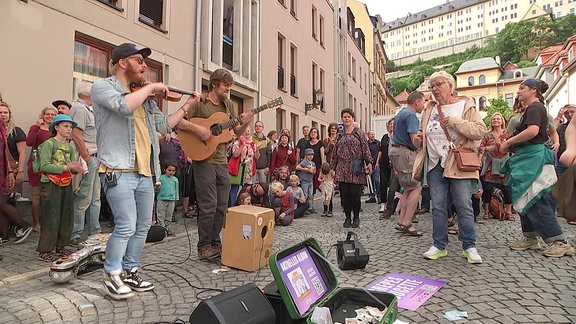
point(434, 253)
point(382, 208)
point(22, 234)
point(472, 255)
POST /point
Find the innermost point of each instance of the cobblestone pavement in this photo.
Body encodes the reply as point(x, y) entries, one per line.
point(509, 287)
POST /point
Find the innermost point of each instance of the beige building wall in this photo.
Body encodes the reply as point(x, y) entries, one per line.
point(358, 85)
point(38, 39)
point(429, 34)
point(297, 59)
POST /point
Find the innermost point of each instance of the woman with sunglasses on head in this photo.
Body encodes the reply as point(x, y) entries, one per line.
point(531, 175)
point(449, 123)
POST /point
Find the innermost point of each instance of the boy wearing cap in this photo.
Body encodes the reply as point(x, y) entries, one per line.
point(305, 171)
point(127, 123)
point(56, 196)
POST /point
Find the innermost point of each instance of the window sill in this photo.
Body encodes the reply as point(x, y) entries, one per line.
point(111, 5)
point(283, 90)
point(294, 96)
point(151, 25)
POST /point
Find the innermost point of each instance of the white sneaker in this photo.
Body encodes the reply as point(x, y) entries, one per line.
point(382, 208)
point(115, 287)
point(472, 255)
point(434, 253)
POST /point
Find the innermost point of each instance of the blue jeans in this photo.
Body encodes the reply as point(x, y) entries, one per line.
point(87, 201)
point(308, 188)
point(461, 192)
point(375, 176)
point(131, 201)
point(302, 207)
point(541, 219)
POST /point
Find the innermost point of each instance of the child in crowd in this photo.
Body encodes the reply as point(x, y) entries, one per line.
point(301, 202)
point(56, 195)
point(244, 199)
point(305, 171)
point(326, 179)
point(283, 204)
point(167, 195)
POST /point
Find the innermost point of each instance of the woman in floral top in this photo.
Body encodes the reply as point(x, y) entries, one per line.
point(351, 145)
point(493, 157)
point(244, 149)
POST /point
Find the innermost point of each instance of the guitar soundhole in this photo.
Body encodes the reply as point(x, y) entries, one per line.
point(216, 130)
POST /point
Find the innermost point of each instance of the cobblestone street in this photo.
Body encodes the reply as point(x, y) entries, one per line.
point(509, 287)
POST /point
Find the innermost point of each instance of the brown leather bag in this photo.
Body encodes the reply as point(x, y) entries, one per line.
point(496, 208)
point(467, 160)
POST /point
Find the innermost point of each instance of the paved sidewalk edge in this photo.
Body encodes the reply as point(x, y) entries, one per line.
point(44, 272)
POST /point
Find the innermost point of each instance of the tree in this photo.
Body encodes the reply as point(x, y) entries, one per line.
point(391, 66)
point(552, 32)
point(497, 105)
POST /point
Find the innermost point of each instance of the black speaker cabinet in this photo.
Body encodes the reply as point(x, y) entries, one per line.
point(242, 305)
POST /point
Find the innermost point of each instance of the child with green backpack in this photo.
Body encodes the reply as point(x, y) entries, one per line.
point(54, 161)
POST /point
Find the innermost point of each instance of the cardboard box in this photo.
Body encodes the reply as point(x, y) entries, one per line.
point(247, 237)
point(305, 281)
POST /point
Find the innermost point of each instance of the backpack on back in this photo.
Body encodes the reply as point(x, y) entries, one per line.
point(496, 205)
point(36, 154)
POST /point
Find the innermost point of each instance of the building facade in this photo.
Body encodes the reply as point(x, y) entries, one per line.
point(458, 24)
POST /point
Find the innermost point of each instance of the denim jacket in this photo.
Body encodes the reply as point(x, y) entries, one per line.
point(115, 124)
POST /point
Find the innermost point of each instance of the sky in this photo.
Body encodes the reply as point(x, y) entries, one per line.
point(391, 10)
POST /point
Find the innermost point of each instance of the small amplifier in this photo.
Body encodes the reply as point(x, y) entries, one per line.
point(351, 254)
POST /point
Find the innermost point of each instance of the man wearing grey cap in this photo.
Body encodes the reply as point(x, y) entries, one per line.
point(127, 123)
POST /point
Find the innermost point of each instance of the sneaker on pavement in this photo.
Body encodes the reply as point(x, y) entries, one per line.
point(22, 234)
point(472, 255)
point(207, 253)
point(434, 253)
point(115, 287)
point(132, 279)
point(382, 208)
point(527, 243)
point(4, 240)
point(324, 214)
point(76, 241)
point(329, 214)
point(558, 249)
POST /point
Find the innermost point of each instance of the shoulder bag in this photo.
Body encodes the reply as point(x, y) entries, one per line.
point(466, 160)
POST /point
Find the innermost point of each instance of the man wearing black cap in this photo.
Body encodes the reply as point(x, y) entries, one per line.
point(127, 123)
point(63, 106)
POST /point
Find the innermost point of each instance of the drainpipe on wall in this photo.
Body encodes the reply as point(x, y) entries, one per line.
point(196, 78)
point(259, 77)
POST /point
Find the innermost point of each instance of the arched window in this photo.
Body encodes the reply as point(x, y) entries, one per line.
point(482, 79)
point(517, 74)
point(470, 81)
point(482, 105)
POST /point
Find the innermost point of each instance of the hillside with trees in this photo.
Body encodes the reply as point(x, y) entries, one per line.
point(514, 43)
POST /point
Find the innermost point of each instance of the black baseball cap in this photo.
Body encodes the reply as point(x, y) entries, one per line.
point(127, 49)
point(57, 103)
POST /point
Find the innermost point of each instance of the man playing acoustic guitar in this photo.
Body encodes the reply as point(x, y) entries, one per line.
point(211, 174)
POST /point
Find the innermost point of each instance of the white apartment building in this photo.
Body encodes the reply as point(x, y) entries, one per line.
point(458, 24)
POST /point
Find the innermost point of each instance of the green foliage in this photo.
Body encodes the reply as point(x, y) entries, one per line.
point(553, 32)
point(524, 64)
point(497, 105)
point(391, 66)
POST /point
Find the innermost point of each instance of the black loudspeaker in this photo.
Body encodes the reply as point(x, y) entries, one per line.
point(351, 254)
point(242, 305)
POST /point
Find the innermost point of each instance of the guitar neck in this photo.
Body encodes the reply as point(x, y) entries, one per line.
point(236, 121)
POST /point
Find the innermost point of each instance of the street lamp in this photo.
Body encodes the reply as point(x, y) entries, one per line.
point(317, 100)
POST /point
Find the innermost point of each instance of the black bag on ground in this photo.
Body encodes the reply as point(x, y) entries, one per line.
point(156, 233)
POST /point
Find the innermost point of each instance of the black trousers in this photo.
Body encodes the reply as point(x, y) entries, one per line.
point(350, 194)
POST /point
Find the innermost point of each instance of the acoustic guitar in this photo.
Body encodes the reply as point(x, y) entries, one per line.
point(221, 127)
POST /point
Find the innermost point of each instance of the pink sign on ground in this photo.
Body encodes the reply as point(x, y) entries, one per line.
point(411, 291)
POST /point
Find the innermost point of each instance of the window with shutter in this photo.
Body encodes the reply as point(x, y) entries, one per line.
point(151, 12)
